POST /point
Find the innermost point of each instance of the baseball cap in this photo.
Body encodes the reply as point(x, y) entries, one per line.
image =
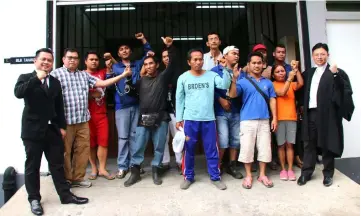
point(258, 47)
point(229, 48)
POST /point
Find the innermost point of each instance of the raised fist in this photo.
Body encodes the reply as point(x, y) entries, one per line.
point(333, 68)
point(107, 56)
point(294, 65)
point(150, 53)
point(41, 74)
point(168, 41)
point(139, 36)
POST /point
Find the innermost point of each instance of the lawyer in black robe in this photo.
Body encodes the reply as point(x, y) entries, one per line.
point(322, 126)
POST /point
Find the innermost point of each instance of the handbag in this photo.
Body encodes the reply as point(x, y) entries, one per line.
point(149, 120)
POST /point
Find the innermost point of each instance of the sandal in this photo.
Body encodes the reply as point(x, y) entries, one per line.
point(107, 177)
point(93, 176)
point(247, 183)
point(265, 181)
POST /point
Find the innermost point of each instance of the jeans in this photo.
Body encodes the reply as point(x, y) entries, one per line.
point(126, 122)
point(228, 130)
point(158, 135)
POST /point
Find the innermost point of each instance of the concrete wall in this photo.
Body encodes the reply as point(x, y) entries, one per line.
point(345, 53)
point(25, 34)
point(341, 30)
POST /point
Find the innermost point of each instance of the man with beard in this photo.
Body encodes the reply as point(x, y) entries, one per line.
point(98, 122)
point(327, 99)
point(153, 117)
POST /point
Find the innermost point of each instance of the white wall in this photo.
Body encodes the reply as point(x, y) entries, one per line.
point(316, 16)
point(25, 33)
point(343, 38)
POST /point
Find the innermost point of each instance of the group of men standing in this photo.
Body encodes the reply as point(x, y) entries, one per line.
point(228, 107)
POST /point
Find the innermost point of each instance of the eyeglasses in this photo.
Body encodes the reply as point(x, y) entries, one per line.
point(72, 58)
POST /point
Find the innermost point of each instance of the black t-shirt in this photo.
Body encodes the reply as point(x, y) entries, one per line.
point(153, 91)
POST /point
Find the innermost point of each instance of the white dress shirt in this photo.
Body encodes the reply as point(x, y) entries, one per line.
point(209, 62)
point(314, 85)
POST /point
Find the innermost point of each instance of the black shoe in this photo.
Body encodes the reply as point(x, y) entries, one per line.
point(302, 180)
point(156, 175)
point(36, 207)
point(72, 199)
point(233, 170)
point(327, 181)
point(134, 176)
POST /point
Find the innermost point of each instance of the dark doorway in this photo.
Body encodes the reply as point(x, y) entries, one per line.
point(100, 27)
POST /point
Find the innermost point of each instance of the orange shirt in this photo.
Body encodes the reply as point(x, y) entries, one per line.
point(286, 105)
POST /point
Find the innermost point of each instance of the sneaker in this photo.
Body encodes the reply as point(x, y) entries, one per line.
point(82, 184)
point(186, 184)
point(283, 175)
point(121, 174)
point(291, 175)
point(220, 185)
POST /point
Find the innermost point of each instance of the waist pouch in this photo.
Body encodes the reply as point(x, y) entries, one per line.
point(150, 120)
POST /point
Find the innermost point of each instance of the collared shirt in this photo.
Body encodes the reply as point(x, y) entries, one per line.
point(254, 105)
point(75, 87)
point(314, 86)
point(209, 62)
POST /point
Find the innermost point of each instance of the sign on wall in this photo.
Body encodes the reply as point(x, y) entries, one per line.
point(20, 60)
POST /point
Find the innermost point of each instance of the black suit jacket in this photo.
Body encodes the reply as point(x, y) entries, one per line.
point(41, 106)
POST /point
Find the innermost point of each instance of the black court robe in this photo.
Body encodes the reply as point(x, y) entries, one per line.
point(334, 102)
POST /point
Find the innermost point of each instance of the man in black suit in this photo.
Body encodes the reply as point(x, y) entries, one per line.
point(326, 100)
point(43, 130)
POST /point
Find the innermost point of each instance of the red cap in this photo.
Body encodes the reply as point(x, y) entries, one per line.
point(258, 47)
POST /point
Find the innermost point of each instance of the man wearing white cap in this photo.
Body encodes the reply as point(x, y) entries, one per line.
point(227, 113)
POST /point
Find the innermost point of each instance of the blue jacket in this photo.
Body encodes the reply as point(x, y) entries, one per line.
point(121, 99)
point(235, 103)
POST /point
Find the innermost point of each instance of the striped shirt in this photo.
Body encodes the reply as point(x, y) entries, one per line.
point(75, 87)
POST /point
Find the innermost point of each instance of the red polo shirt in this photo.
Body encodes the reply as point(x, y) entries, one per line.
point(98, 106)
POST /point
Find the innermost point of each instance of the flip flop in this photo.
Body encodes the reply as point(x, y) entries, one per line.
point(247, 183)
point(265, 181)
point(107, 177)
point(93, 176)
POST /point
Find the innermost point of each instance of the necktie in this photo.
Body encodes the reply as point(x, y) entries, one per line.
point(45, 84)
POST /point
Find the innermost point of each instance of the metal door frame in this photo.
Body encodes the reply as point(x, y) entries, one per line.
point(300, 26)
